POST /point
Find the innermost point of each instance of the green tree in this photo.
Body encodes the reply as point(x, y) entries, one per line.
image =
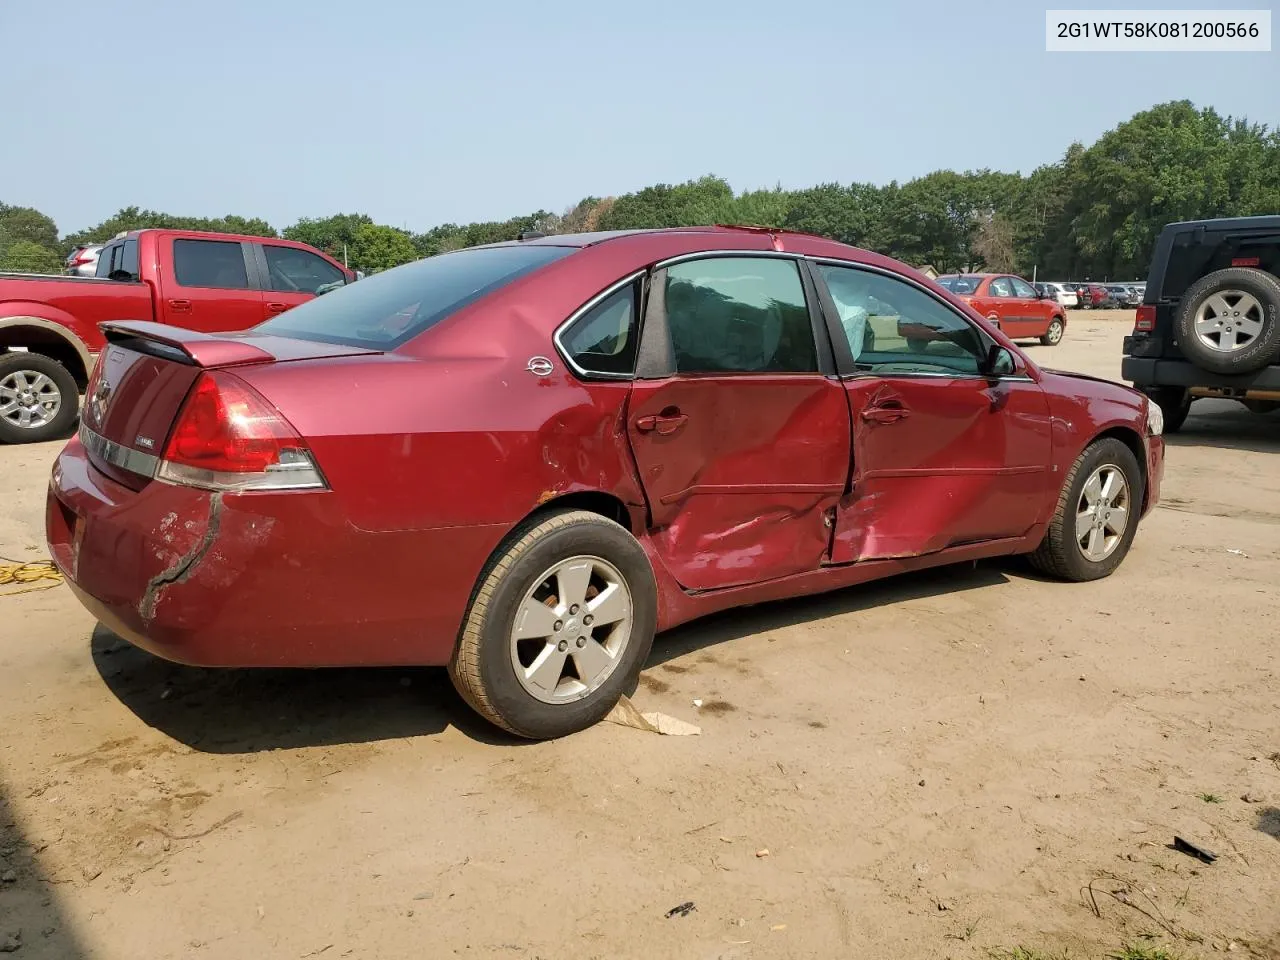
point(25, 256)
point(26, 223)
point(377, 247)
point(330, 234)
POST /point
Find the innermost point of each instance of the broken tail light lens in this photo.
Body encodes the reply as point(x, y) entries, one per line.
point(1146, 319)
point(229, 438)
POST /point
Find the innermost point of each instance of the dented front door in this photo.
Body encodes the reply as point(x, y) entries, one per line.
point(941, 461)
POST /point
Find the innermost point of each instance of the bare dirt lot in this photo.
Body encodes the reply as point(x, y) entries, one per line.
point(956, 764)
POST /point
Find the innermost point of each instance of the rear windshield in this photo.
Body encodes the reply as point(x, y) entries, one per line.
point(959, 284)
point(383, 311)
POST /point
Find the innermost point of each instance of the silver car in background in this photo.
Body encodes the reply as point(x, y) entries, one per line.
point(83, 260)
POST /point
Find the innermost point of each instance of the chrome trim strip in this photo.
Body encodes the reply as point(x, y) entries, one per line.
point(118, 455)
point(577, 314)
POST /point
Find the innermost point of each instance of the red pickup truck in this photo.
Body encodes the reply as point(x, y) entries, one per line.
point(204, 281)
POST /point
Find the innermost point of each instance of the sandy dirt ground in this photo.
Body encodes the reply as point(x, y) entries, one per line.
point(954, 764)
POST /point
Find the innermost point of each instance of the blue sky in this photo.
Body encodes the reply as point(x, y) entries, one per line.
point(425, 112)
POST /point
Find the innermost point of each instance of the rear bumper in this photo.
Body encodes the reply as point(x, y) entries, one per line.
point(1154, 372)
point(257, 580)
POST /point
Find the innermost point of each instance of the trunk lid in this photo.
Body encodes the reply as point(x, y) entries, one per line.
point(145, 373)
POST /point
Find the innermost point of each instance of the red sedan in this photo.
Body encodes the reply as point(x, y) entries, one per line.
point(1012, 304)
point(524, 460)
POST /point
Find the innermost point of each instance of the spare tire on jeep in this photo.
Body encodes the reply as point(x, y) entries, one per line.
point(1229, 321)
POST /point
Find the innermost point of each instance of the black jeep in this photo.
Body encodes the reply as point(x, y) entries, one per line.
point(1209, 323)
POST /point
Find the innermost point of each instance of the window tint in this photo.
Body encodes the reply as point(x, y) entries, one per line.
point(1021, 288)
point(894, 327)
point(385, 310)
point(1000, 287)
point(605, 338)
point(209, 263)
point(105, 257)
point(128, 265)
point(297, 271)
point(739, 315)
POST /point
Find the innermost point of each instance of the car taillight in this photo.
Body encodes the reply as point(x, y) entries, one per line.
point(1146, 320)
point(229, 438)
point(82, 258)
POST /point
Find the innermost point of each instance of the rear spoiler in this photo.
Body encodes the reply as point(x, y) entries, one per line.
point(183, 346)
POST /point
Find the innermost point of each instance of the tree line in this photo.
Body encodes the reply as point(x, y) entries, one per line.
point(1093, 214)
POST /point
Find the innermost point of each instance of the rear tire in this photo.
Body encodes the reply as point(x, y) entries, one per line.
point(1229, 321)
point(518, 663)
point(39, 399)
point(1174, 403)
point(1083, 542)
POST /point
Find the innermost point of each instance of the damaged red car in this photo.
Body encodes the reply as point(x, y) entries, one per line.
point(524, 460)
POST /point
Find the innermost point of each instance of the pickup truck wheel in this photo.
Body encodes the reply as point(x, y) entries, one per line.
point(560, 625)
point(39, 399)
point(1229, 321)
point(1053, 336)
point(1096, 516)
point(1174, 403)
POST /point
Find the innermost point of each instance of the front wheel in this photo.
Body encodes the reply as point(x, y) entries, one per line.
point(1096, 516)
point(559, 627)
point(1053, 336)
point(38, 398)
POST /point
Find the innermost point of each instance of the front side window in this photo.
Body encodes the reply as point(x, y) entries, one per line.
point(739, 315)
point(1000, 287)
point(296, 271)
point(895, 327)
point(605, 338)
point(210, 263)
point(385, 310)
point(1022, 289)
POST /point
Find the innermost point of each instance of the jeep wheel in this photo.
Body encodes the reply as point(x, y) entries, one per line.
point(38, 398)
point(1229, 321)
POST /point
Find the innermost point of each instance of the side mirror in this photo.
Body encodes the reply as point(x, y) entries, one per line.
point(1000, 362)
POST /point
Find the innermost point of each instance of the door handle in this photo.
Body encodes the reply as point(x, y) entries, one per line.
point(277, 307)
point(890, 411)
point(665, 425)
point(180, 306)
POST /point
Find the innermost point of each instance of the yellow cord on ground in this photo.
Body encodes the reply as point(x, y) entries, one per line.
point(35, 571)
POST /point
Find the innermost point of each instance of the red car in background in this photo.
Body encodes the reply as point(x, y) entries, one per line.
point(205, 281)
point(523, 460)
point(1010, 303)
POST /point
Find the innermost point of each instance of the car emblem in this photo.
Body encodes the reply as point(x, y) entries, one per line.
point(145, 442)
point(540, 366)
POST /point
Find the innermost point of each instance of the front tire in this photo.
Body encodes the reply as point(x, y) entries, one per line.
point(1053, 336)
point(1096, 517)
point(559, 627)
point(39, 399)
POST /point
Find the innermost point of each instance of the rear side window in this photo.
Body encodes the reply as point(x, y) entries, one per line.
point(385, 310)
point(106, 257)
point(739, 315)
point(210, 263)
point(605, 339)
point(296, 271)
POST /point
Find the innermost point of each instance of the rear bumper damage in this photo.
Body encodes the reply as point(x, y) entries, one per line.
point(214, 579)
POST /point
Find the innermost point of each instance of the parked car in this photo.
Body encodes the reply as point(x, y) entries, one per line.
point(1012, 304)
point(1122, 295)
point(486, 459)
point(203, 281)
point(1209, 323)
point(1064, 293)
point(1094, 296)
point(83, 260)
